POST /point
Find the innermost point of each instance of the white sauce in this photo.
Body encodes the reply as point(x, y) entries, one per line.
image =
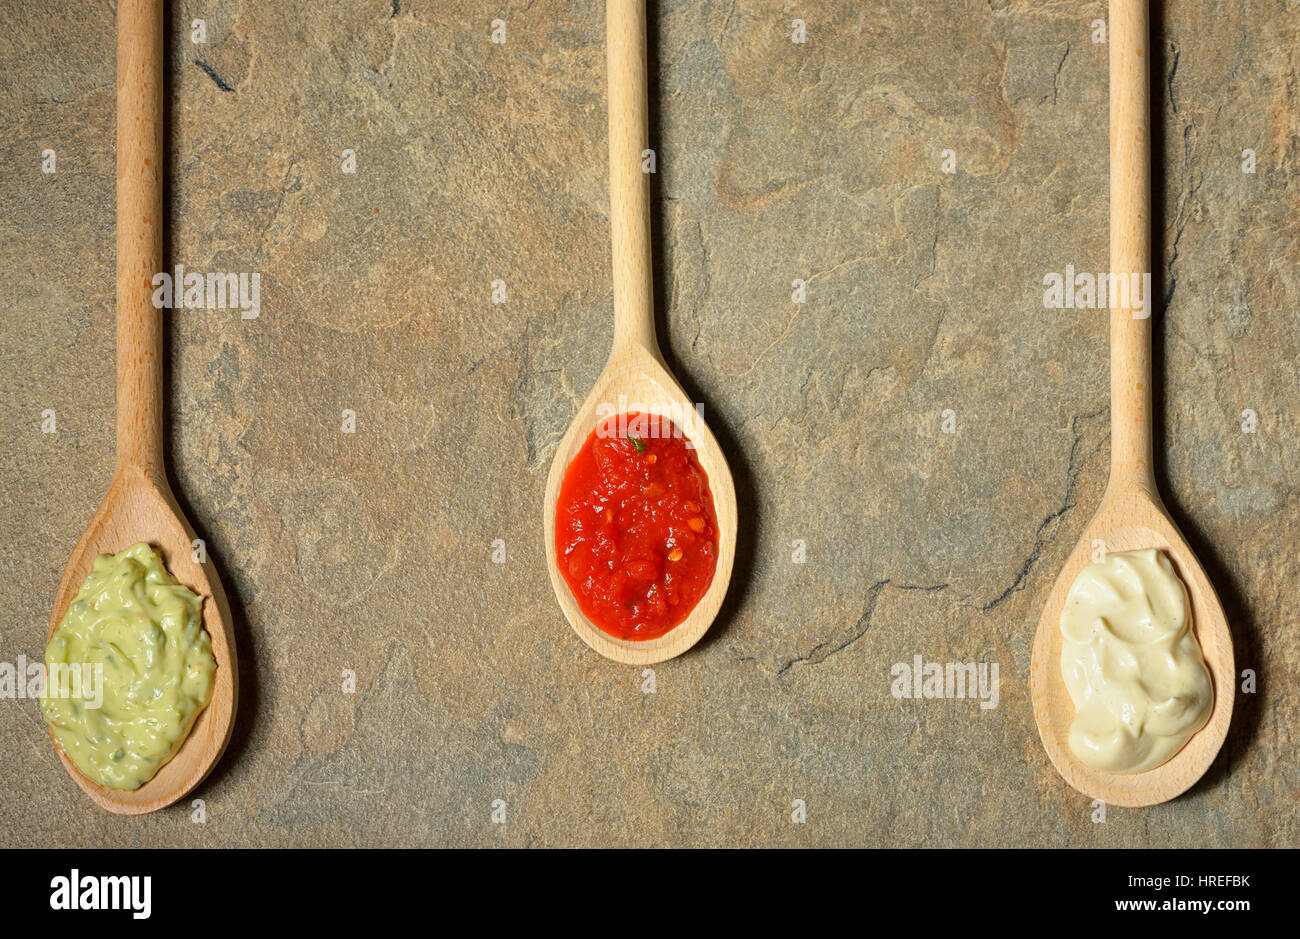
point(1131, 664)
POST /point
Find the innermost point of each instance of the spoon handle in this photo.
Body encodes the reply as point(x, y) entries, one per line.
point(629, 187)
point(1130, 246)
point(139, 235)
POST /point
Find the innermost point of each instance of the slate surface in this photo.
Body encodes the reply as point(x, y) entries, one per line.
point(820, 161)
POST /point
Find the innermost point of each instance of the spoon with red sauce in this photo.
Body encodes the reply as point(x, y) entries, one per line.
point(640, 503)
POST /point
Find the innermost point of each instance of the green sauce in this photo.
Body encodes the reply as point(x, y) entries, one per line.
point(132, 623)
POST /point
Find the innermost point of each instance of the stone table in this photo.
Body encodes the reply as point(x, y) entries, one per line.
point(870, 533)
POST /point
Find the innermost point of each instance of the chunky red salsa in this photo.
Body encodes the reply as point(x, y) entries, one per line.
point(635, 534)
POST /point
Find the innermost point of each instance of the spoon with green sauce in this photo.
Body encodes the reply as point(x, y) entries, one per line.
point(139, 505)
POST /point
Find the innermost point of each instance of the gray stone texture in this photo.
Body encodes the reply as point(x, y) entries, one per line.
point(777, 161)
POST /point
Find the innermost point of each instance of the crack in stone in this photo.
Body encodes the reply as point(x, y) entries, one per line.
point(209, 71)
point(1041, 535)
point(1056, 76)
point(1187, 190)
point(824, 650)
point(285, 189)
point(1169, 76)
point(522, 388)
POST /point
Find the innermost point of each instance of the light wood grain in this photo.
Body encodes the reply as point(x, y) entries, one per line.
point(635, 370)
point(140, 505)
point(1131, 515)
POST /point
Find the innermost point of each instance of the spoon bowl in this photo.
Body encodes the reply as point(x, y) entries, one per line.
point(1131, 519)
point(138, 508)
point(635, 380)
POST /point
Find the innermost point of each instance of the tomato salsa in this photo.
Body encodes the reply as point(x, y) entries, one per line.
point(635, 534)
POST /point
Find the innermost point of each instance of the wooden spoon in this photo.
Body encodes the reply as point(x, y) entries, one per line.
point(1131, 515)
point(635, 377)
point(140, 505)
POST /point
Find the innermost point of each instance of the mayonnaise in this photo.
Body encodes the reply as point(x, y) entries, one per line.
point(140, 631)
point(1131, 664)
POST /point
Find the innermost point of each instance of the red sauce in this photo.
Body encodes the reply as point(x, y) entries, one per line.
point(635, 533)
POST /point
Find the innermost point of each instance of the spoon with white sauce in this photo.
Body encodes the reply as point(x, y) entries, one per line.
point(1131, 516)
point(139, 505)
point(636, 372)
